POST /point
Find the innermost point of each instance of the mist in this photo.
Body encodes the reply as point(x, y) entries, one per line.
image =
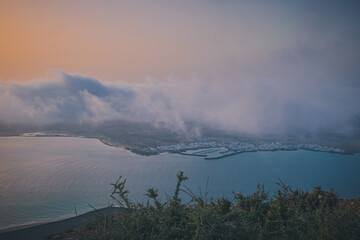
point(238, 106)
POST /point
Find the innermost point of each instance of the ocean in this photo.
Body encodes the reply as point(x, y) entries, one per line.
point(49, 178)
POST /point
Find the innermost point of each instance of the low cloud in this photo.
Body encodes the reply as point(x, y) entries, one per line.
point(65, 98)
point(235, 106)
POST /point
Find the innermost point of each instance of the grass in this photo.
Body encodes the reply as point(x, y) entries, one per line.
point(286, 214)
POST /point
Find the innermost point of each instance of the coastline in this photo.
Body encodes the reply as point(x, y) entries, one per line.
point(41, 230)
point(143, 152)
point(276, 150)
point(149, 151)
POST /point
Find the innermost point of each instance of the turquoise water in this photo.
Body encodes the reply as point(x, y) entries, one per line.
point(46, 178)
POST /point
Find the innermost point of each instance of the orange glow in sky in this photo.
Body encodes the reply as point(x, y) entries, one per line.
point(77, 37)
point(129, 40)
point(124, 41)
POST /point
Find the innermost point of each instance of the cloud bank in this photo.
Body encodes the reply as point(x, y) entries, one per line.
point(236, 106)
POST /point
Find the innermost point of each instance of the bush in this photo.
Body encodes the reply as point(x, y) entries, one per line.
point(288, 214)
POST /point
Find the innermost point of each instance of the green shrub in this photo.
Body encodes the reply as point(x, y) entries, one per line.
point(288, 214)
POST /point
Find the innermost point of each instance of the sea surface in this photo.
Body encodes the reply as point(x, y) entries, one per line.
point(49, 178)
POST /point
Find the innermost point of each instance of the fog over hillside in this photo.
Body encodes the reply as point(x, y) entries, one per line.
point(189, 108)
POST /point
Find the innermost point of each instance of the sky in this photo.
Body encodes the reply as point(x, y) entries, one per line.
point(241, 66)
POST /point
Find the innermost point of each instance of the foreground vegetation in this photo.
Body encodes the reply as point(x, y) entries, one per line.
point(287, 214)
